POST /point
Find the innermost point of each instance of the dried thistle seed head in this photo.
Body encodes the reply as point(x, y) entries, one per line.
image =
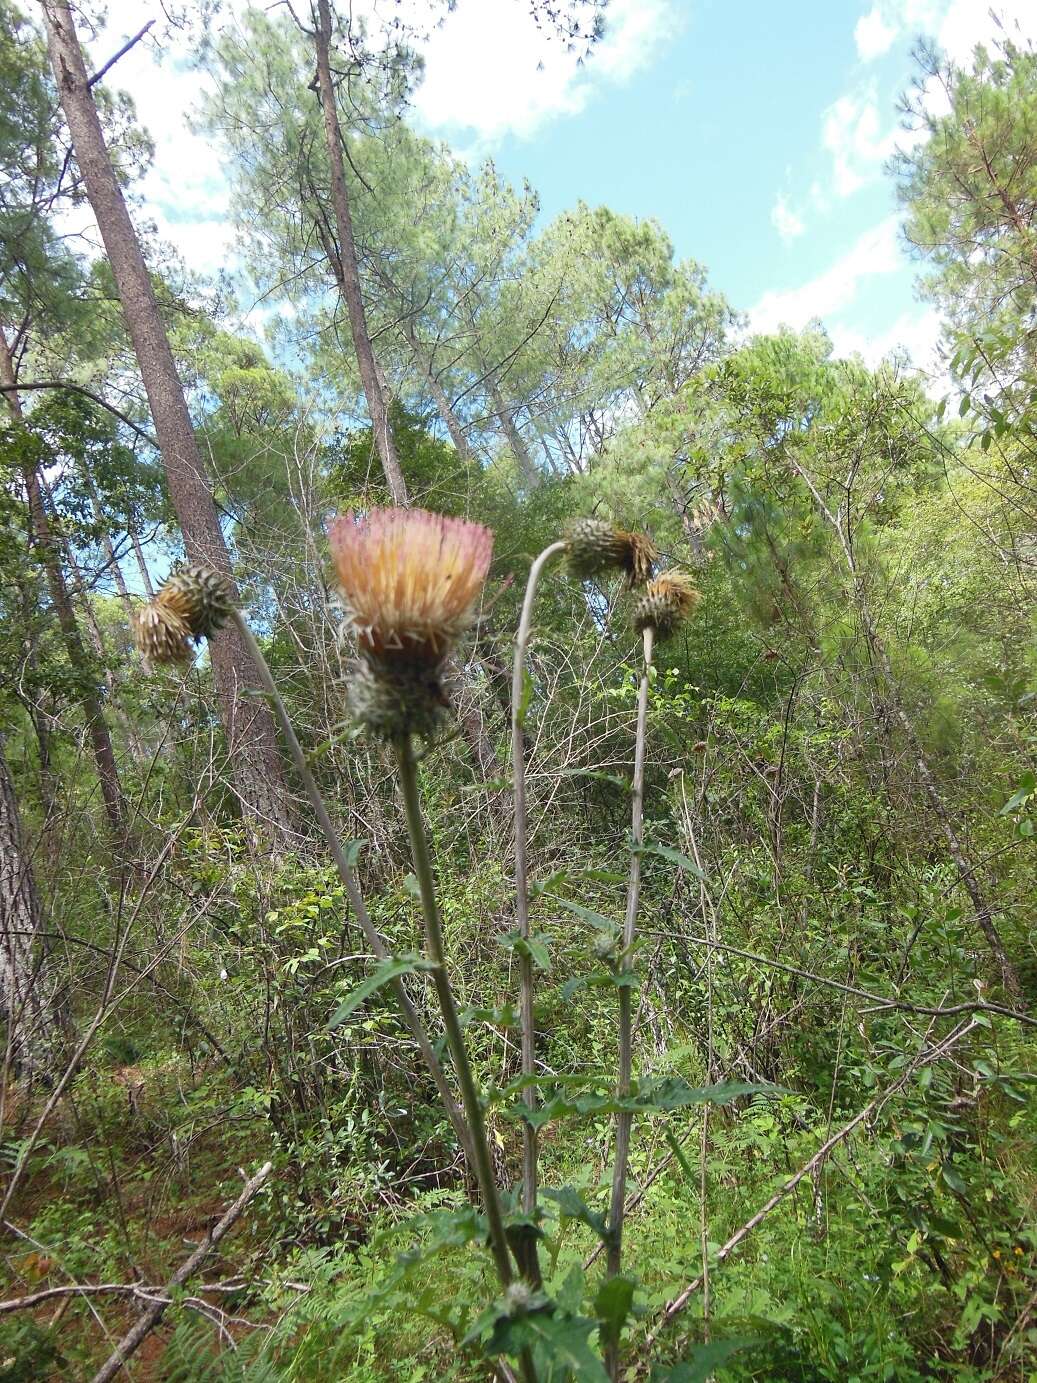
point(161, 632)
point(394, 699)
point(593, 546)
point(667, 602)
point(202, 597)
point(410, 580)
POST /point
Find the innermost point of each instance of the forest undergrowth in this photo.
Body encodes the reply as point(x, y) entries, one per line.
point(507, 711)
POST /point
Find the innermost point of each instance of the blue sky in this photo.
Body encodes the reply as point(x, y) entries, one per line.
point(755, 132)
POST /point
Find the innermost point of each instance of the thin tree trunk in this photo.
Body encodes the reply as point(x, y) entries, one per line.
point(138, 552)
point(247, 720)
point(515, 439)
point(444, 407)
point(889, 685)
point(94, 631)
point(26, 1001)
point(48, 548)
point(344, 261)
point(106, 540)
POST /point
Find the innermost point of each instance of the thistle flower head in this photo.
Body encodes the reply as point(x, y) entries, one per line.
point(666, 603)
point(410, 580)
point(192, 604)
point(161, 632)
point(593, 546)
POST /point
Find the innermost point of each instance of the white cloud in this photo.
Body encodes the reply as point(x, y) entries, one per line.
point(875, 252)
point(873, 35)
point(489, 69)
point(914, 334)
point(785, 221)
point(965, 23)
point(852, 133)
point(956, 25)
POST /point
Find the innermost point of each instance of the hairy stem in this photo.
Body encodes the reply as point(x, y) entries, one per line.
point(624, 1119)
point(518, 764)
point(371, 934)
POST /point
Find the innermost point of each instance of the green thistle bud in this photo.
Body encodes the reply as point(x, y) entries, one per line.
point(594, 546)
point(205, 598)
point(667, 602)
point(392, 699)
point(606, 945)
point(517, 1298)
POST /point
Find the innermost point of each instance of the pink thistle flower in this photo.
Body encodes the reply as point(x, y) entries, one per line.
point(410, 580)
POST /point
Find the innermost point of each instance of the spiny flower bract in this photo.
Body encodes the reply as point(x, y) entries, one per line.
point(666, 603)
point(161, 632)
point(205, 596)
point(593, 546)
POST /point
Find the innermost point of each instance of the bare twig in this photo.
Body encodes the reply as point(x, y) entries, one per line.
point(135, 1337)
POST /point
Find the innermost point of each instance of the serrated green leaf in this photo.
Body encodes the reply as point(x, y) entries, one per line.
point(603, 924)
point(351, 849)
point(1026, 789)
point(613, 779)
point(673, 856)
point(704, 1360)
point(612, 1304)
point(560, 1344)
point(571, 1204)
point(383, 974)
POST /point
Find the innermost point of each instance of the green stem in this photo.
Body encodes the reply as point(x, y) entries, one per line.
point(451, 1021)
point(518, 763)
point(371, 934)
point(624, 1120)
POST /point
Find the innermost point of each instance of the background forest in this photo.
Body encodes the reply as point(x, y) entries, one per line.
point(833, 995)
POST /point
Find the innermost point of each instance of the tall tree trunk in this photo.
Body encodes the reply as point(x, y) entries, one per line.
point(27, 1004)
point(515, 440)
point(248, 723)
point(48, 547)
point(347, 275)
point(344, 261)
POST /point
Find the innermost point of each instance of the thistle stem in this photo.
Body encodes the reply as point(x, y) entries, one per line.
point(371, 934)
point(624, 1119)
point(518, 763)
point(451, 1021)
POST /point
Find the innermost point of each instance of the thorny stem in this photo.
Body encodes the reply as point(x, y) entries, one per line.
point(470, 1096)
point(624, 1119)
point(518, 763)
point(371, 934)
